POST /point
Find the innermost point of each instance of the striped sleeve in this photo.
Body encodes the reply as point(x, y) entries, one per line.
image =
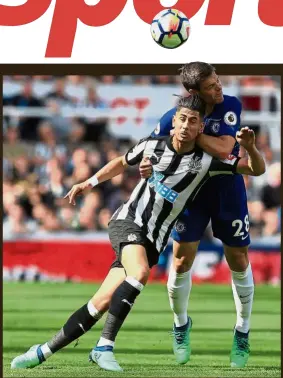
point(135, 154)
point(227, 166)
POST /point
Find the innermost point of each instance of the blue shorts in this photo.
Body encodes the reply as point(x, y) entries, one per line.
point(222, 200)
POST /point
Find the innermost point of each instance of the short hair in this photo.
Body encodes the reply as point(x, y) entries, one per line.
point(192, 102)
point(192, 74)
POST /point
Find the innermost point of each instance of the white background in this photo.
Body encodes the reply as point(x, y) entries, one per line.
point(128, 40)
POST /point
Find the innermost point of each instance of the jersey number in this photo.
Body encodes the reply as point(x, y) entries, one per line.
point(238, 223)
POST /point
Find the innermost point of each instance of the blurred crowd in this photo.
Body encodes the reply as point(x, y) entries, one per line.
point(44, 157)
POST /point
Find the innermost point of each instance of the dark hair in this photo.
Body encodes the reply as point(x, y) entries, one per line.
point(192, 102)
point(192, 74)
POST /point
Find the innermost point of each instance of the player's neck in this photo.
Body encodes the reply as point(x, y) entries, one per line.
point(183, 147)
point(209, 109)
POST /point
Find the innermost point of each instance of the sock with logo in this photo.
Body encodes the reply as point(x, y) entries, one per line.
point(79, 322)
point(243, 292)
point(121, 303)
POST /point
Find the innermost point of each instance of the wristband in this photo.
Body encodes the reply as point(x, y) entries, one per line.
point(93, 181)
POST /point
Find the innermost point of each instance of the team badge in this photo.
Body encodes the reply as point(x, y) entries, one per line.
point(195, 165)
point(230, 118)
point(180, 227)
point(215, 127)
point(132, 237)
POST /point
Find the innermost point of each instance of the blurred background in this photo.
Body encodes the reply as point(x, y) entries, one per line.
point(58, 131)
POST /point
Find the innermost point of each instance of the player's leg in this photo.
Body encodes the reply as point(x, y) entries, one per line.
point(135, 262)
point(79, 322)
point(186, 235)
point(243, 293)
point(231, 225)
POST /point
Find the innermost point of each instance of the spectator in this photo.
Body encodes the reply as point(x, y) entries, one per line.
point(27, 125)
point(47, 147)
point(270, 195)
point(104, 217)
point(17, 223)
point(67, 150)
point(59, 93)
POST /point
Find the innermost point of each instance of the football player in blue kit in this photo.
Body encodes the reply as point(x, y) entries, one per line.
point(222, 201)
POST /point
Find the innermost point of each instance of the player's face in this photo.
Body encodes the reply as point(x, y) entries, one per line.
point(211, 90)
point(187, 124)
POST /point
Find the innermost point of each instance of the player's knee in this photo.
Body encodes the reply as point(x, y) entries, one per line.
point(237, 257)
point(182, 264)
point(102, 302)
point(141, 273)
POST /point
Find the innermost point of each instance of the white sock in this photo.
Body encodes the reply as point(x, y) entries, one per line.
point(46, 351)
point(93, 310)
point(179, 287)
point(243, 292)
point(135, 283)
point(103, 342)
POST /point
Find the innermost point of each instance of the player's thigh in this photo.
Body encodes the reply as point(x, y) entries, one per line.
point(102, 297)
point(230, 217)
point(135, 262)
point(184, 254)
point(192, 223)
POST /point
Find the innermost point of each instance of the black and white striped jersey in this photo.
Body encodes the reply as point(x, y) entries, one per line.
point(155, 203)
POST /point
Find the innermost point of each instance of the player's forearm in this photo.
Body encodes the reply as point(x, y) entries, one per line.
point(214, 146)
point(110, 170)
point(256, 162)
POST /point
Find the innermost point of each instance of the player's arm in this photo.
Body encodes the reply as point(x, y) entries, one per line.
point(113, 168)
point(219, 147)
point(254, 165)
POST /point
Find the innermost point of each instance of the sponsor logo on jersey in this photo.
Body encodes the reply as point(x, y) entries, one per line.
point(154, 159)
point(230, 118)
point(230, 159)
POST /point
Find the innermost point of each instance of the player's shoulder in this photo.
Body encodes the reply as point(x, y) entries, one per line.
point(231, 102)
point(165, 123)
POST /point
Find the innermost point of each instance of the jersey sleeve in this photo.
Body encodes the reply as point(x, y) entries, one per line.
point(135, 154)
point(222, 167)
point(165, 124)
point(231, 120)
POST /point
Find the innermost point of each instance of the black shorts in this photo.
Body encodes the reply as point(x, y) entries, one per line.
point(124, 232)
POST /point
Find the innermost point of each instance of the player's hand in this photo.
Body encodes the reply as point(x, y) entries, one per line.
point(145, 168)
point(76, 190)
point(246, 137)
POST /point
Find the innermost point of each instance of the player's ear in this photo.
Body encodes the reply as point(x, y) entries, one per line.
point(201, 128)
point(193, 92)
point(173, 120)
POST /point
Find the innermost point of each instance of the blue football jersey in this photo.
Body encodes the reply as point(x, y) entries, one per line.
point(225, 119)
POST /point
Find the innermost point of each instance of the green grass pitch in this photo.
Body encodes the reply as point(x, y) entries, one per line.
point(34, 312)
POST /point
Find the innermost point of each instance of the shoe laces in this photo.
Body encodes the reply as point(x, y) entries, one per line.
point(180, 336)
point(242, 345)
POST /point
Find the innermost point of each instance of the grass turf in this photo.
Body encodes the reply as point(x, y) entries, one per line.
point(32, 313)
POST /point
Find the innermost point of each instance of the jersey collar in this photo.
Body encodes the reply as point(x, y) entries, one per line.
point(169, 143)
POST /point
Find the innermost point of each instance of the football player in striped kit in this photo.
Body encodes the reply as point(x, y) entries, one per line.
point(140, 228)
